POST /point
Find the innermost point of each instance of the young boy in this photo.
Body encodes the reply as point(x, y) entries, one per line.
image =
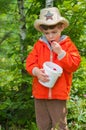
point(50, 103)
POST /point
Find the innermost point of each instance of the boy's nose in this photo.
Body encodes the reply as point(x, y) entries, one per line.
point(50, 35)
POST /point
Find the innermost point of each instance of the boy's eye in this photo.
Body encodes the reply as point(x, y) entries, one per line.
point(46, 33)
point(54, 32)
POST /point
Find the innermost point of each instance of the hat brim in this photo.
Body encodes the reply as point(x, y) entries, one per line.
point(39, 22)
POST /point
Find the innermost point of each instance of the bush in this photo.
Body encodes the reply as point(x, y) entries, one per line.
point(77, 102)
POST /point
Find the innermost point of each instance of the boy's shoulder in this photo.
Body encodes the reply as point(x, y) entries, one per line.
point(62, 37)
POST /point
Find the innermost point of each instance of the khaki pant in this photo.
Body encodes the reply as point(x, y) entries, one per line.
point(51, 114)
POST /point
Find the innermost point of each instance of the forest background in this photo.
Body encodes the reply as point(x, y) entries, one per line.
point(17, 36)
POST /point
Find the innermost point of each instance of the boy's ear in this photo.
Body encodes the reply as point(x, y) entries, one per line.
point(62, 27)
point(41, 28)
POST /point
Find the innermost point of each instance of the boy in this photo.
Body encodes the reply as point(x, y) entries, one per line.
point(50, 103)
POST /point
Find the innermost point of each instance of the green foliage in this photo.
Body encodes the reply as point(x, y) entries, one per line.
point(77, 102)
point(75, 12)
point(16, 104)
point(77, 113)
point(79, 80)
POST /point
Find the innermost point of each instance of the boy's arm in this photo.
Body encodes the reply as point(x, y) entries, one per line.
point(71, 61)
point(31, 61)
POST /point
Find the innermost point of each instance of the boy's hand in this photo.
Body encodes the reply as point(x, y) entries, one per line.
point(40, 73)
point(56, 47)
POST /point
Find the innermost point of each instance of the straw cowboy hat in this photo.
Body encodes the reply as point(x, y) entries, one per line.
point(50, 16)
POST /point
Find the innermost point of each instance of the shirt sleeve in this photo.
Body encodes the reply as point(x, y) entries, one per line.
point(31, 60)
point(70, 59)
point(61, 55)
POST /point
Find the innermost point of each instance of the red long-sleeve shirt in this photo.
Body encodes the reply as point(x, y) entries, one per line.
point(70, 62)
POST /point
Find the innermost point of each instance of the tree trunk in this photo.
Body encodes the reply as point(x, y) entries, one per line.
point(49, 3)
point(22, 39)
point(22, 19)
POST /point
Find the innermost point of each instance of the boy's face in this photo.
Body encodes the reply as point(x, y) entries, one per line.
point(52, 34)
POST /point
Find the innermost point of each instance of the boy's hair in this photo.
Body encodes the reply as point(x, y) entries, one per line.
point(46, 27)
